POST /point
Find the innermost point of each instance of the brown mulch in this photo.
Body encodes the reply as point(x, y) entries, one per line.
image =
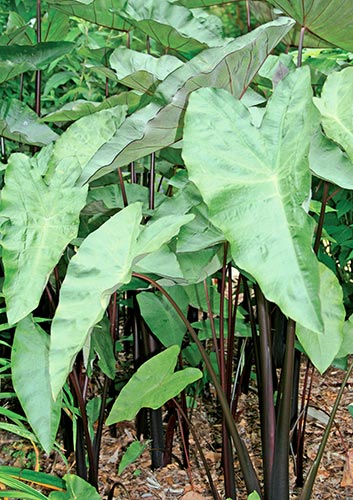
point(334, 480)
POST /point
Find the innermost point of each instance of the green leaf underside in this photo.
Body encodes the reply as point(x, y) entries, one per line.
point(323, 347)
point(19, 122)
point(246, 174)
point(102, 12)
point(158, 125)
point(173, 26)
point(152, 385)
point(30, 376)
point(330, 20)
point(17, 59)
point(336, 108)
point(42, 218)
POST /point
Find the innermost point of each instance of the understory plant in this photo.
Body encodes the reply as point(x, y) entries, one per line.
point(176, 214)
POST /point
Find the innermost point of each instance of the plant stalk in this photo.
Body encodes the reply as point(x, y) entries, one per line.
point(280, 475)
point(250, 477)
point(309, 483)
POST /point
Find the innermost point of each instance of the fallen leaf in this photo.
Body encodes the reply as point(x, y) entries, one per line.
point(347, 479)
point(192, 495)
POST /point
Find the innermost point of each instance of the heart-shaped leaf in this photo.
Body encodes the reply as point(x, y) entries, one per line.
point(255, 182)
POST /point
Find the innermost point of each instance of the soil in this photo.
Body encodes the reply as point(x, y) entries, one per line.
point(138, 481)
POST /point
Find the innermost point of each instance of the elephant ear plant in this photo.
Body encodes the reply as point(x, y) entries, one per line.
point(179, 176)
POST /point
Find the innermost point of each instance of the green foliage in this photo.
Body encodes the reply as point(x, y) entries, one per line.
point(134, 450)
point(152, 385)
point(30, 376)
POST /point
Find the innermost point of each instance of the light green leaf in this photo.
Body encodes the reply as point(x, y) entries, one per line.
point(72, 111)
point(330, 20)
point(257, 179)
point(152, 386)
point(103, 262)
point(17, 59)
point(43, 217)
point(347, 342)
point(30, 377)
point(254, 496)
point(163, 262)
point(322, 347)
point(95, 11)
point(77, 489)
point(161, 317)
point(141, 71)
point(19, 122)
point(159, 124)
point(327, 161)
point(164, 228)
point(173, 26)
point(85, 137)
point(336, 108)
point(134, 450)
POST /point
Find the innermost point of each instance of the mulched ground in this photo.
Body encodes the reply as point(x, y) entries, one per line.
point(334, 480)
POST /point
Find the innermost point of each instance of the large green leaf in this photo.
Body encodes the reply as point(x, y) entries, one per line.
point(330, 20)
point(16, 59)
point(102, 12)
point(159, 124)
point(43, 217)
point(329, 162)
point(103, 263)
point(30, 377)
point(174, 26)
point(322, 347)
point(255, 182)
point(141, 71)
point(152, 385)
point(19, 122)
point(336, 108)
